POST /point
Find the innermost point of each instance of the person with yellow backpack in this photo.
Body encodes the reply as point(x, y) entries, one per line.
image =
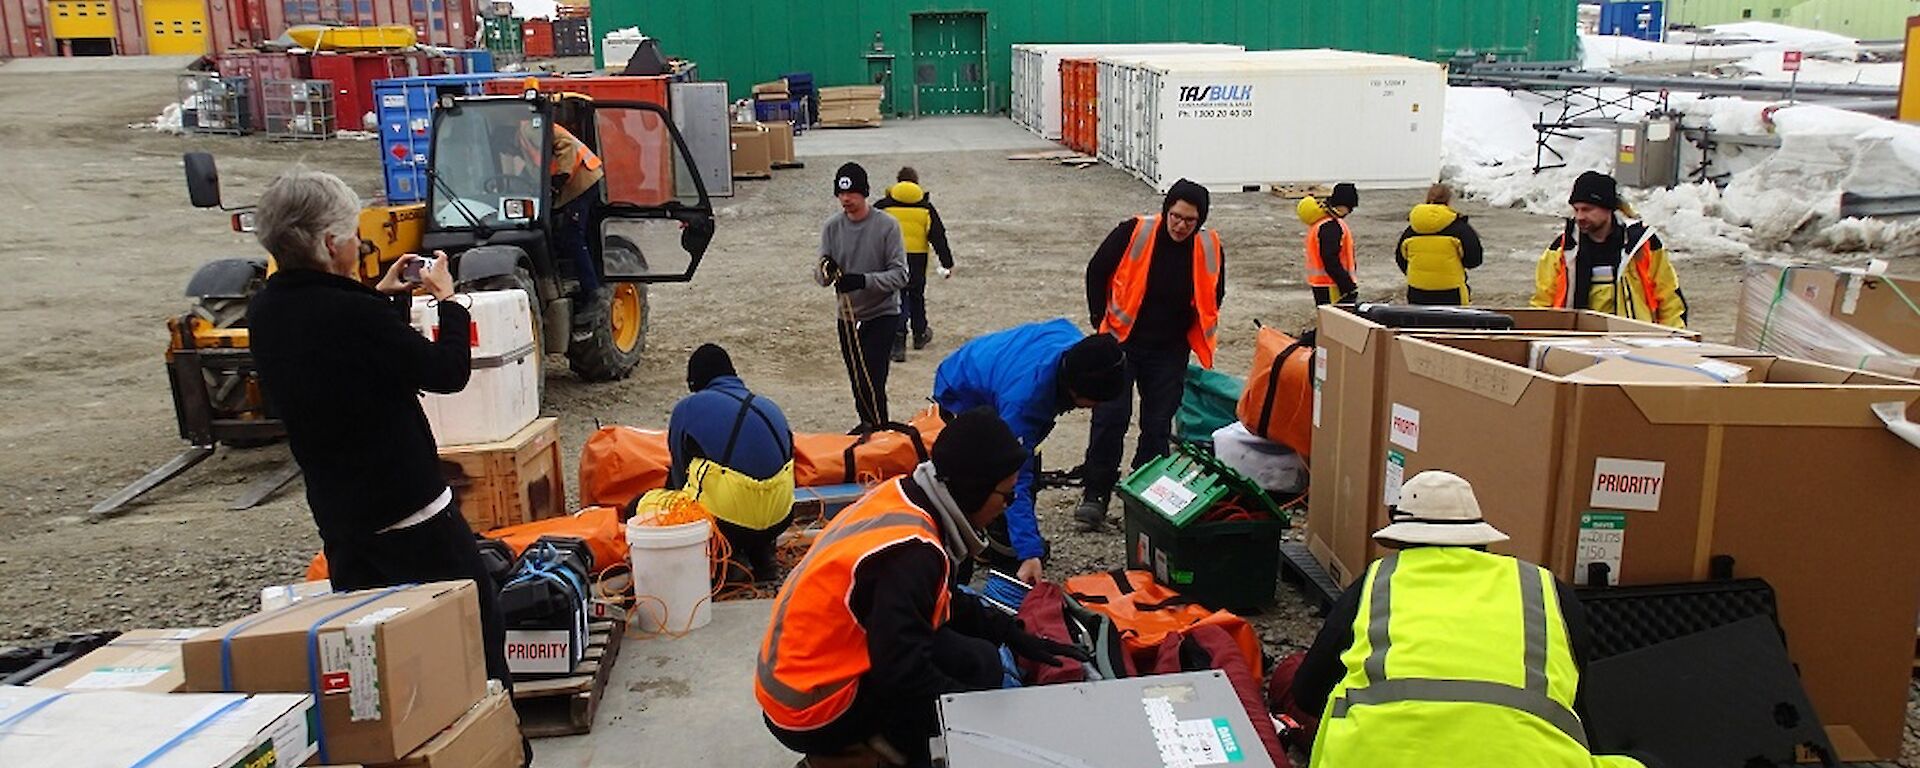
point(921, 228)
point(1608, 261)
point(733, 450)
point(1436, 250)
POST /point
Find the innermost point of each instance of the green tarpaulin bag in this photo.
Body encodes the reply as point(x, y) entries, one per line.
point(1207, 404)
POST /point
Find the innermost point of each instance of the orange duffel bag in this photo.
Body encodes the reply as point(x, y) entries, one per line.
point(1146, 612)
point(600, 527)
point(1278, 401)
point(620, 464)
point(869, 457)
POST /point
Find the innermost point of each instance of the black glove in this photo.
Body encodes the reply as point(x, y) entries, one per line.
point(1040, 650)
point(849, 283)
point(1349, 296)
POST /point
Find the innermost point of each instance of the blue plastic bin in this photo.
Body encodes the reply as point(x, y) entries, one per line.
point(403, 107)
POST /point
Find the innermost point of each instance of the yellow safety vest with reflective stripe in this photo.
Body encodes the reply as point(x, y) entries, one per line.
point(1459, 658)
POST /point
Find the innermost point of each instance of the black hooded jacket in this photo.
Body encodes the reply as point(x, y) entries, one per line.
point(1166, 312)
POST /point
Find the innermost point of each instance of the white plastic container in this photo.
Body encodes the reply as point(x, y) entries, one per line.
point(1036, 75)
point(1270, 465)
point(672, 576)
point(1285, 117)
point(503, 393)
point(618, 46)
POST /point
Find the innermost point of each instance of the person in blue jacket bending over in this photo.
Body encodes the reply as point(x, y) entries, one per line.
point(1029, 374)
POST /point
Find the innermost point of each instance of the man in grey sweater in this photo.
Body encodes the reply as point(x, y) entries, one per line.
point(864, 259)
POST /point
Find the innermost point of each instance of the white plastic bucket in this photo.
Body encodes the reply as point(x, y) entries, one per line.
point(671, 576)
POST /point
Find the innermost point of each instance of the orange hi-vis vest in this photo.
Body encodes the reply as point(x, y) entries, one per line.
point(1639, 255)
point(815, 650)
point(1317, 269)
point(1129, 287)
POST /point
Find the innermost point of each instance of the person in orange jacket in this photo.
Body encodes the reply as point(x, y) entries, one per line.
point(1329, 244)
point(1608, 261)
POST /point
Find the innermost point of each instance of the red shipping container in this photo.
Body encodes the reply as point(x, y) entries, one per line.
point(1078, 86)
point(23, 29)
point(353, 75)
point(259, 67)
point(539, 42)
point(636, 146)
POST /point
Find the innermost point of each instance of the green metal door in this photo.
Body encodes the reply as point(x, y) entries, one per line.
point(950, 63)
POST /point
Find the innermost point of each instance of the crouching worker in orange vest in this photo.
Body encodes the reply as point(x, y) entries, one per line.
point(868, 631)
point(1607, 261)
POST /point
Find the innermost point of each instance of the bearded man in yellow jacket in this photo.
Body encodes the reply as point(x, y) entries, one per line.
point(1608, 261)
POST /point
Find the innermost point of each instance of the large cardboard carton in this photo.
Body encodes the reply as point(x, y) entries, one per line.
point(752, 152)
point(1791, 474)
point(487, 736)
point(146, 660)
point(388, 668)
point(1850, 317)
point(1350, 419)
point(780, 143)
point(154, 730)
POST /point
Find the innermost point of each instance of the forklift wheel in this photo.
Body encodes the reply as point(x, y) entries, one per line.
point(610, 334)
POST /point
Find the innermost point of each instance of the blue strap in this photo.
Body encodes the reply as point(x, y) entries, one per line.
point(181, 737)
point(543, 564)
point(32, 708)
point(313, 660)
point(226, 641)
point(1678, 366)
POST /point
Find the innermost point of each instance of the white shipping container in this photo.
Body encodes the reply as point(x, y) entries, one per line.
point(1121, 101)
point(1036, 75)
point(1283, 117)
point(503, 392)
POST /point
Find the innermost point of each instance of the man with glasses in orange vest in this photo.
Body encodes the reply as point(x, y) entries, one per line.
point(1156, 284)
point(1608, 261)
point(1330, 245)
point(869, 629)
point(575, 174)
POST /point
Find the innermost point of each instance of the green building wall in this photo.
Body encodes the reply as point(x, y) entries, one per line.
point(749, 41)
point(1861, 19)
point(1702, 13)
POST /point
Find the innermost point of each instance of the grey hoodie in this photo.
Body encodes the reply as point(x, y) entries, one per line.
point(871, 247)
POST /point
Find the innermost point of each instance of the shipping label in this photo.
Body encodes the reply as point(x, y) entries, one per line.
point(1319, 380)
point(1404, 429)
point(1396, 476)
point(1603, 536)
point(1216, 101)
point(1190, 743)
point(363, 665)
point(118, 677)
point(1168, 496)
point(539, 652)
point(1628, 484)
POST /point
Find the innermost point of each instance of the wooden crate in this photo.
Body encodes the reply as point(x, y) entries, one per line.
point(565, 706)
point(517, 480)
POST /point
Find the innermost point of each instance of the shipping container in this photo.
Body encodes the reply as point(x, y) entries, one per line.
point(572, 37)
point(537, 36)
point(1642, 21)
point(1078, 129)
point(638, 148)
point(403, 108)
point(1246, 122)
point(353, 75)
point(192, 27)
point(1036, 76)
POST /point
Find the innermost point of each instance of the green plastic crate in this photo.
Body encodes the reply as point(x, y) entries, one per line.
point(1229, 564)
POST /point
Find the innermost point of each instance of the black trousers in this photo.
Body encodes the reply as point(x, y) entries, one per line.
point(753, 549)
point(867, 348)
point(1453, 298)
point(913, 298)
point(907, 725)
point(1323, 296)
point(440, 549)
point(1160, 377)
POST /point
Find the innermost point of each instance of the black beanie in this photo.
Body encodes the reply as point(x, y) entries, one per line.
point(709, 362)
point(1095, 368)
point(1189, 192)
point(851, 178)
point(1345, 194)
point(1596, 188)
point(973, 453)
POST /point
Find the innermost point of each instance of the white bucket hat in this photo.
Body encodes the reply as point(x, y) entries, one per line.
point(1438, 508)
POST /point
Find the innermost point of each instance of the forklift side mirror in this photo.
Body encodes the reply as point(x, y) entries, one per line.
point(203, 180)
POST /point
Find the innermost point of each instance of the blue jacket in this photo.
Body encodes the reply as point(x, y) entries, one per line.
point(1013, 372)
point(704, 422)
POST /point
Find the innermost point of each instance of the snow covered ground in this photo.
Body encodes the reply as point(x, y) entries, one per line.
point(1745, 49)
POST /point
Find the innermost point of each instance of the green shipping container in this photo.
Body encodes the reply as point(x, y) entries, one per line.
point(955, 56)
point(505, 37)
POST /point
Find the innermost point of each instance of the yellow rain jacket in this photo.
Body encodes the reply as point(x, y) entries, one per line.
point(1636, 282)
point(1437, 248)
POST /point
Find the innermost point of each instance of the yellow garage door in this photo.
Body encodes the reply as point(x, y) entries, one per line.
point(81, 19)
point(176, 26)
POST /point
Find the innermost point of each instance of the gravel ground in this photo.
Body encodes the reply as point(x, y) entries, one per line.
point(99, 242)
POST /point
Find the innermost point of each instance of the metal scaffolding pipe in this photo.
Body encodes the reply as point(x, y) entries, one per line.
point(1553, 80)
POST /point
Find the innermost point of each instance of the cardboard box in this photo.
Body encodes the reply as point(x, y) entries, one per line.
point(780, 144)
point(873, 93)
point(1626, 364)
point(850, 114)
point(154, 730)
point(752, 152)
point(1792, 475)
point(487, 736)
point(146, 660)
point(517, 480)
point(394, 668)
point(283, 595)
point(775, 86)
point(1855, 318)
point(1350, 419)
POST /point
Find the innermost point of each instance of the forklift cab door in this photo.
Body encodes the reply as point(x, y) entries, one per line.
point(654, 220)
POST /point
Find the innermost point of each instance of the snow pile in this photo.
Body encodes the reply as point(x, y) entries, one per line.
point(1809, 40)
point(1746, 49)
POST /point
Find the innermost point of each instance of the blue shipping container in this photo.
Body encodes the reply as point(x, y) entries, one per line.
point(479, 60)
point(404, 110)
point(1645, 21)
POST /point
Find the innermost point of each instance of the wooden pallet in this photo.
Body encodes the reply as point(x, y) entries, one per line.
point(565, 706)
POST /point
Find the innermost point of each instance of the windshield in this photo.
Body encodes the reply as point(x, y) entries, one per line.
point(485, 152)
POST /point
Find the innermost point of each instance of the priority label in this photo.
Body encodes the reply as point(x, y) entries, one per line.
point(1628, 484)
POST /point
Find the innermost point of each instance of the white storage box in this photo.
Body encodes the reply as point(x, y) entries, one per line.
point(1234, 123)
point(155, 730)
point(503, 395)
point(1270, 465)
point(1036, 75)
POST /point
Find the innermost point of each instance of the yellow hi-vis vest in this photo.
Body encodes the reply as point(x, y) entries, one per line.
point(1459, 658)
point(739, 498)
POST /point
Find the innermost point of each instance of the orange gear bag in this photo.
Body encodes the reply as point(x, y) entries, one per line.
point(867, 458)
point(600, 527)
point(1146, 613)
point(1278, 401)
point(620, 464)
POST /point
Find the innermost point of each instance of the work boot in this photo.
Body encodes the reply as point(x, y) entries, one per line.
point(900, 348)
point(1091, 514)
point(922, 339)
